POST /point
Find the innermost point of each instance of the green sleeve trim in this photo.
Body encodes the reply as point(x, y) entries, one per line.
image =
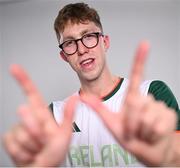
point(162, 92)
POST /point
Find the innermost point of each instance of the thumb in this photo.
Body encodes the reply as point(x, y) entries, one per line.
point(107, 116)
point(69, 112)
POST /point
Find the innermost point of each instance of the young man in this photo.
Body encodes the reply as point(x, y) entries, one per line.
point(137, 122)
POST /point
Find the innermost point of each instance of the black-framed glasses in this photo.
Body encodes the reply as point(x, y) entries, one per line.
point(89, 40)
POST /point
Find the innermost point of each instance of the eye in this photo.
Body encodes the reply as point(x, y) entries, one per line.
point(69, 43)
point(89, 36)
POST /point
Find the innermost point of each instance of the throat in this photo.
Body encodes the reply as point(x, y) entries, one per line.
point(101, 90)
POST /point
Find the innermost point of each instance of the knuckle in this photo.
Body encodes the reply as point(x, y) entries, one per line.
point(159, 130)
point(147, 120)
point(17, 154)
point(22, 137)
point(13, 149)
point(23, 158)
point(162, 129)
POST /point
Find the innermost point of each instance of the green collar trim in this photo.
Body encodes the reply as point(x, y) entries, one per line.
point(112, 93)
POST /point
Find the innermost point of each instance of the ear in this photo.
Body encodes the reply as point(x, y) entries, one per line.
point(62, 55)
point(106, 42)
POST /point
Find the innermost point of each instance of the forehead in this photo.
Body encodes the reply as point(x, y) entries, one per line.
point(72, 31)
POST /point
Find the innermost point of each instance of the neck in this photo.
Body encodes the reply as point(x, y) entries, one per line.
point(100, 86)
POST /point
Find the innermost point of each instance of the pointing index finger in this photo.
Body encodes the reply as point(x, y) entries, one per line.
point(26, 83)
point(36, 102)
point(138, 66)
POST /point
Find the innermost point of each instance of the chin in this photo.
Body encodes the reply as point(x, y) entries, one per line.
point(90, 77)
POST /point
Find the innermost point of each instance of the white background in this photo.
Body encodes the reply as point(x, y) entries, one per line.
point(27, 38)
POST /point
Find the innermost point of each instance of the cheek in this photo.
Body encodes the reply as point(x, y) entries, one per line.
point(102, 47)
point(73, 63)
point(101, 52)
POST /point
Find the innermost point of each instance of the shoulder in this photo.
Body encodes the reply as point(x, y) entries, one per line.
point(159, 89)
point(162, 92)
point(56, 107)
point(56, 104)
point(60, 103)
point(144, 87)
point(158, 85)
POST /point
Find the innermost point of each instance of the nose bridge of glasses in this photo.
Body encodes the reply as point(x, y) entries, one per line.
point(80, 44)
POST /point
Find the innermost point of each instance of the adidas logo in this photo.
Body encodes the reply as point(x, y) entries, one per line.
point(75, 127)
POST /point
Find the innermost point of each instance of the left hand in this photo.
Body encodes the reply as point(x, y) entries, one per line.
point(38, 140)
point(143, 126)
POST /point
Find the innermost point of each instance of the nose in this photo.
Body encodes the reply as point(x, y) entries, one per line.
point(81, 48)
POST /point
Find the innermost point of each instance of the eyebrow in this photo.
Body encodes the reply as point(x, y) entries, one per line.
point(81, 34)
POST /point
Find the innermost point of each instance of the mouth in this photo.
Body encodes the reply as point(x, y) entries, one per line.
point(87, 64)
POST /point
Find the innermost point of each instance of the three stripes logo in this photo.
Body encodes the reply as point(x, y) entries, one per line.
point(75, 128)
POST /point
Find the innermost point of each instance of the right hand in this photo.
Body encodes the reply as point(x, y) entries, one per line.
point(38, 140)
point(143, 126)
